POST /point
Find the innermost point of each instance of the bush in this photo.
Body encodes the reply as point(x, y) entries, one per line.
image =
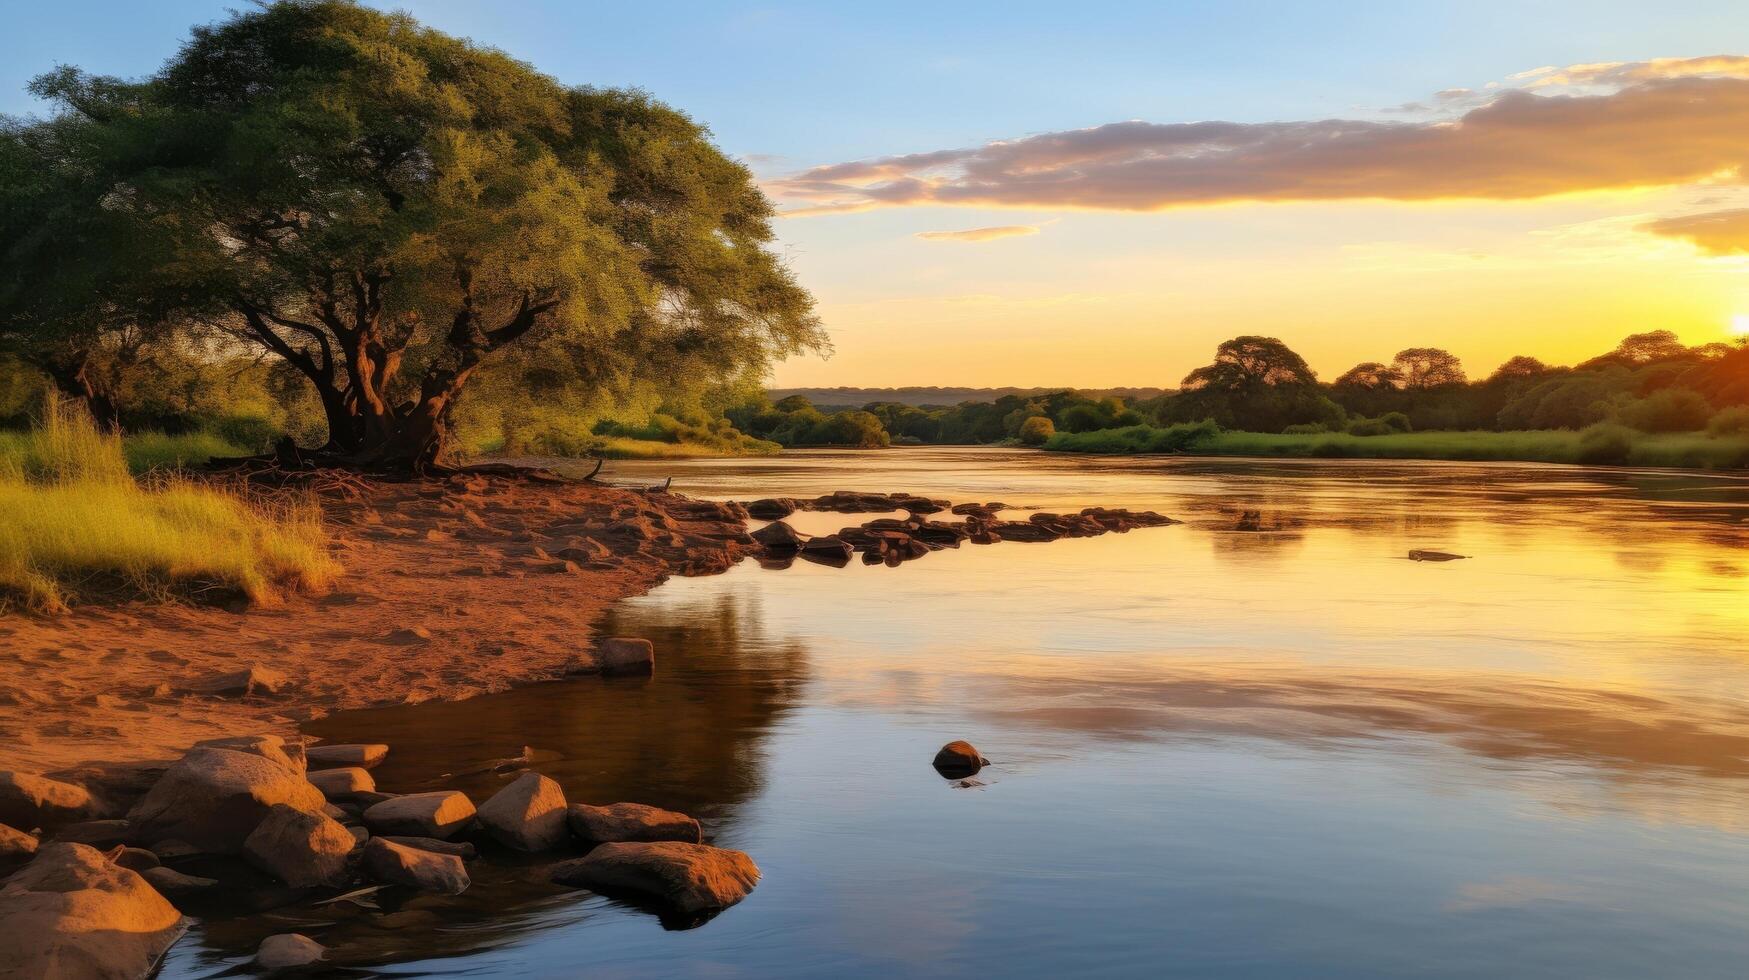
point(1037, 430)
point(1389, 423)
point(1135, 439)
point(1605, 444)
point(1306, 429)
point(1670, 410)
point(1730, 422)
point(254, 433)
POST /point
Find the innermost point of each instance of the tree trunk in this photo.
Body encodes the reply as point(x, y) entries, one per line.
point(72, 378)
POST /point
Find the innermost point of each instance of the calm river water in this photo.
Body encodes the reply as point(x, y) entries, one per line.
point(1260, 744)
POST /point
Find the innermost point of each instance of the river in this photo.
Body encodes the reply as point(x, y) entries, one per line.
point(1261, 743)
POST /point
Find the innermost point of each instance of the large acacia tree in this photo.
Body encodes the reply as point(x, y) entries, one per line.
point(388, 209)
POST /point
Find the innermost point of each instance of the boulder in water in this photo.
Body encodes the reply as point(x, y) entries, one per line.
point(692, 878)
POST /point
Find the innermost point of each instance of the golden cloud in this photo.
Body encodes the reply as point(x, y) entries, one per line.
point(1715, 232)
point(1668, 126)
point(979, 234)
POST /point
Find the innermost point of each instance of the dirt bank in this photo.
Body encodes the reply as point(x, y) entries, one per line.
point(452, 589)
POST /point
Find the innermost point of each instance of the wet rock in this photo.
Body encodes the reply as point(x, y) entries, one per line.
point(368, 800)
point(29, 802)
point(342, 784)
point(252, 681)
point(15, 845)
point(173, 849)
point(457, 848)
point(393, 864)
point(131, 858)
point(779, 536)
point(528, 814)
point(441, 814)
point(957, 760)
point(630, 822)
point(1422, 554)
point(288, 951)
point(174, 883)
point(827, 546)
point(101, 834)
point(70, 914)
point(771, 508)
point(216, 797)
point(341, 756)
point(626, 655)
point(288, 755)
point(303, 850)
point(1025, 531)
point(692, 878)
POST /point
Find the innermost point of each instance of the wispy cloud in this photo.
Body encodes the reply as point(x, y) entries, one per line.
point(1714, 232)
point(979, 234)
point(1557, 130)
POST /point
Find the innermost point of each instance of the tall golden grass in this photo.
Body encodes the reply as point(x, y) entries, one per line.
point(74, 520)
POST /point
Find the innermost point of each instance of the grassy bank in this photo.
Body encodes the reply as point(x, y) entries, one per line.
point(75, 520)
point(1603, 445)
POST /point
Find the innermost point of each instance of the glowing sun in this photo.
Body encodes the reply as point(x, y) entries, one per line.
point(1740, 325)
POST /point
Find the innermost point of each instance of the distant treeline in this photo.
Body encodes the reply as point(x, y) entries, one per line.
point(1650, 383)
point(930, 396)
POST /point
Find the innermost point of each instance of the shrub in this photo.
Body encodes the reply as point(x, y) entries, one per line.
point(1037, 430)
point(253, 433)
point(1306, 429)
point(1730, 422)
point(1605, 444)
point(1670, 410)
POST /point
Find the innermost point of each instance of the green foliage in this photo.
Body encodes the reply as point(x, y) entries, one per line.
point(1605, 444)
point(1386, 424)
point(1180, 438)
point(1037, 430)
point(1670, 410)
point(1730, 422)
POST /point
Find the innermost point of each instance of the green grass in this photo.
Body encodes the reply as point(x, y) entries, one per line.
point(143, 453)
point(1611, 446)
point(75, 520)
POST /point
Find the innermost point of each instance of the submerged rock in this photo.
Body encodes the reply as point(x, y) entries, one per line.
point(214, 798)
point(779, 536)
point(771, 508)
point(72, 915)
point(303, 850)
point(441, 814)
point(827, 546)
point(528, 814)
point(394, 864)
point(364, 756)
point(959, 759)
point(692, 878)
point(630, 822)
point(1422, 554)
point(626, 655)
point(29, 802)
point(289, 950)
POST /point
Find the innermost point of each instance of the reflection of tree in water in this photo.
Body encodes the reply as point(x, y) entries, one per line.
point(689, 738)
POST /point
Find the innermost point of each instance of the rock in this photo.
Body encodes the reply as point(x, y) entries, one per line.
point(771, 508)
point(252, 681)
point(173, 883)
point(287, 951)
point(15, 845)
point(626, 655)
point(461, 849)
point(441, 814)
point(214, 798)
point(71, 915)
point(342, 784)
point(957, 760)
point(101, 834)
point(131, 858)
point(28, 802)
point(528, 814)
point(393, 864)
point(1421, 554)
point(117, 786)
point(829, 546)
point(288, 755)
point(303, 850)
point(173, 849)
point(368, 800)
point(692, 878)
point(630, 822)
point(345, 756)
point(778, 536)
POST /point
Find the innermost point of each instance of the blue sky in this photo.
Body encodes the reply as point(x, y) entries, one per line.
point(793, 87)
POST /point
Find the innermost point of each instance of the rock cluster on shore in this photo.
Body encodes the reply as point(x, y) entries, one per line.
point(71, 909)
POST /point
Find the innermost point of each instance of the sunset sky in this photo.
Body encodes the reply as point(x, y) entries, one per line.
point(1034, 194)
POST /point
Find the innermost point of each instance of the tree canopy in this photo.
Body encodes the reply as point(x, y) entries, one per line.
point(390, 211)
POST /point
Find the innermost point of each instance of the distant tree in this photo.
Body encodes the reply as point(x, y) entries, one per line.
point(1520, 366)
point(1642, 348)
point(1255, 383)
point(1037, 430)
point(388, 209)
point(1251, 361)
point(1371, 376)
point(1670, 410)
point(1428, 367)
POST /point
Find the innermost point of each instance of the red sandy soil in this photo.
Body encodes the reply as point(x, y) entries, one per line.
point(451, 589)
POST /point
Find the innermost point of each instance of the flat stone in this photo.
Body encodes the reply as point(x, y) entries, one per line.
point(363, 756)
point(626, 655)
point(171, 882)
point(692, 878)
point(528, 814)
point(252, 681)
point(630, 822)
point(458, 848)
point(289, 950)
point(28, 801)
point(393, 864)
point(101, 834)
point(70, 913)
point(342, 784)
point(270, 747)
point(441, 814)
point(304, 850)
